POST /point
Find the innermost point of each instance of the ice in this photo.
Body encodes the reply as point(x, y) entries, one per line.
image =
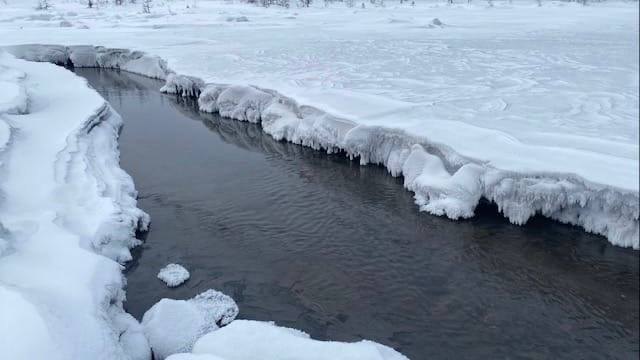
point(173, 275)
point(173, 326)
point(248, 340)
point(515, 113)
point(68, 219)
point(182, 85)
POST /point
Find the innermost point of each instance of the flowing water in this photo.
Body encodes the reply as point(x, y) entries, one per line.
point(322, 244)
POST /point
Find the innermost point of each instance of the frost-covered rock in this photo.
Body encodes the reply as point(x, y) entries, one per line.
point(173, 275)
point(173, 326)
point(250, 340)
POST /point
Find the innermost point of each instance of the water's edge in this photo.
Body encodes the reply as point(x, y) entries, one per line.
point(608, 211)
point(317, 242)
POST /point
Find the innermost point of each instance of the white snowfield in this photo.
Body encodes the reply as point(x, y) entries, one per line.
point(68, 217)
point(173, 275)
point(533, 108)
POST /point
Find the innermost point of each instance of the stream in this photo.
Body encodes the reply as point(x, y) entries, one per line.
point(319, 243)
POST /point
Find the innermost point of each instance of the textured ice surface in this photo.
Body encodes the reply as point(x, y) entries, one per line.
point(483, 102)
point(67, 220)
point(173, 326)
point(173, 275)
point(249, 340)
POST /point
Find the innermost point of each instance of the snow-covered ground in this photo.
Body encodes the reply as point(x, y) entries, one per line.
point(68, 216)
point(534, 108)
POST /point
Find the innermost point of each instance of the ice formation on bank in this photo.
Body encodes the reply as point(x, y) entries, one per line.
point(173, 275)
point(68, 219)
point(250, 340)
point(173, 326)
point(444, 181)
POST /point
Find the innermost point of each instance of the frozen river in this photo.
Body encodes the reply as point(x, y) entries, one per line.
point(339, 250)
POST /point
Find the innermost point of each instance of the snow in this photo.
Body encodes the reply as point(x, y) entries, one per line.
point(534, 108)
point(173, 326)
point(248, 340)
point(67, 221)
point(173, 275)
point(189, 356)
point(68, 217)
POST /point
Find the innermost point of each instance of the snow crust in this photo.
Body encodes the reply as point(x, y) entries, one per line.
point(68, 218)
point(482, 103)
point(94, 56)
point(173, 275)
point(173, 326)
point(248, 340)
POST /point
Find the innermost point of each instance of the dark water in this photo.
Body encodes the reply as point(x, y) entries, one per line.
point(319, 243)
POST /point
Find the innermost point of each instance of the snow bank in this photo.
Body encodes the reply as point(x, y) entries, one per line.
point(173, 275)
point(249, 340)
point(173, 326)
point(444, 181)
point(94, 56)
point(68, 217)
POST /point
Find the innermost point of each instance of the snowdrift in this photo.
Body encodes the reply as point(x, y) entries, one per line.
point(248, 340)
point(68, 219)
point(444, 182)
point(173, 326)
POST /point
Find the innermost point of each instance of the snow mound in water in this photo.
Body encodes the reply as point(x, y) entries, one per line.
point(250, 340)
point(173, 275)
point(173, 326)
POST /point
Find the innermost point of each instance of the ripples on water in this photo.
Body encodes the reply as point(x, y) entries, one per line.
point(320, 243)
